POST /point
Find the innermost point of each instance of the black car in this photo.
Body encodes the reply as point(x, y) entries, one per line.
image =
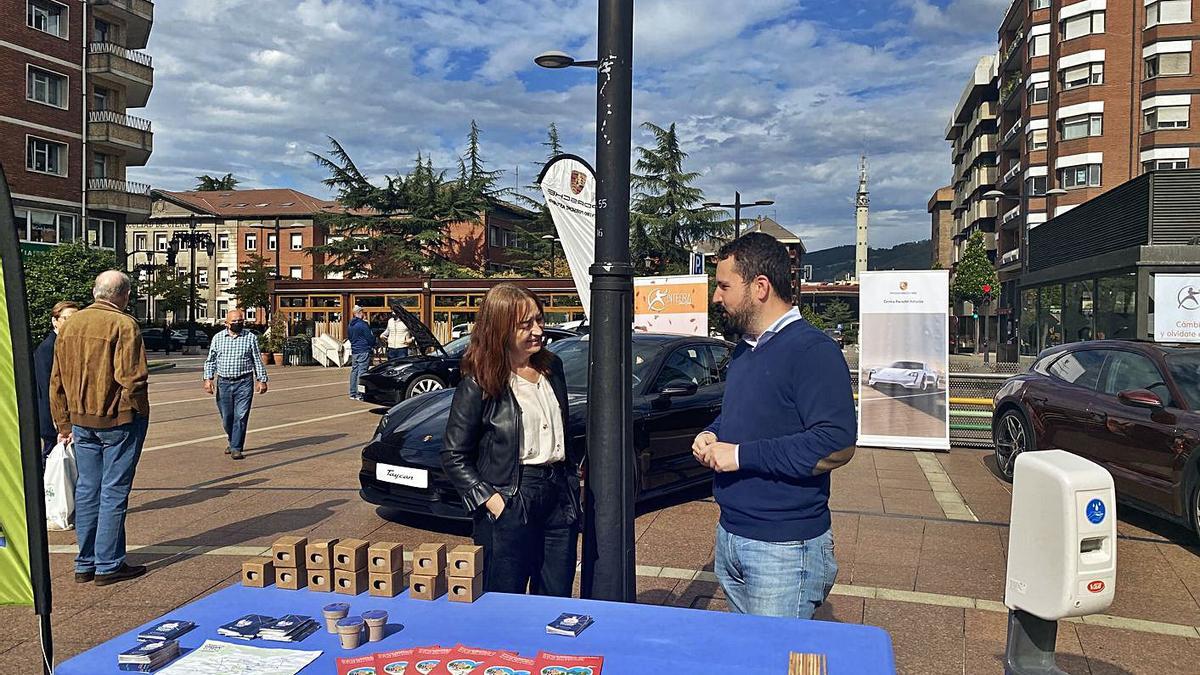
point(156, 340)
point(202, 338)
point(434, 366)
point(678, 383)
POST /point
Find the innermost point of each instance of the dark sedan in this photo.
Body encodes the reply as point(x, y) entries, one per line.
point(155, 340)
point(677, 381)
point(1132, 407)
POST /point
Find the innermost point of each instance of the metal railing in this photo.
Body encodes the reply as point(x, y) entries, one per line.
point(1012, 213)
point(1010, 256)
point(1012, 132)
point(119, 118)
point(1011, 173)
point(116, 185)
point(140, 58)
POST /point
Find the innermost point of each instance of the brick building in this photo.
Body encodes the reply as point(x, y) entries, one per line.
point(66, 153)
point(500, 240)
point(941, 227)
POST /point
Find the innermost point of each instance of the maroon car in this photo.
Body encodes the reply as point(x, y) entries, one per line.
point(1132, 407)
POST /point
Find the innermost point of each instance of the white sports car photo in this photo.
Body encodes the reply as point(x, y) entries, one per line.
point(907, 374)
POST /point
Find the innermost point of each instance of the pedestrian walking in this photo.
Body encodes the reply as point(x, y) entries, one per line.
point(505, 449)
point(98, 398)
point(233, 365)
point(787, 419)
point(397, 335)
point(362, 341)
point(43, 363)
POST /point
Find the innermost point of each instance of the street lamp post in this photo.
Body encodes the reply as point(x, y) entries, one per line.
point(551, 239)
point(193, 238)
point(737, 207)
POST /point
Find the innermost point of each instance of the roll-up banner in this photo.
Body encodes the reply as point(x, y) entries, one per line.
point(1176, 308)
point(677, 304)
point(569, 185)
point(903, 392)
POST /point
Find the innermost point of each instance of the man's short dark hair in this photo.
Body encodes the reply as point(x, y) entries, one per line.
point(760, 254)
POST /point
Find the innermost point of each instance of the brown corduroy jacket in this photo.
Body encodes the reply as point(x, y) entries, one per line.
point(99, 375)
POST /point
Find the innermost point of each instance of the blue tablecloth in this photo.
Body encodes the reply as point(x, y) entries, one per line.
point(631, 638)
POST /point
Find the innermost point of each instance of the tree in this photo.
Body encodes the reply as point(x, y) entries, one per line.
point(534, 253)
point(480, 180)
point(172, 289)
point(207, 183)
point(58, 273)
point(837, 313)
point(810, 315)
point(974, 270)
point(552, 142)
point(666, 221)
point(252, 288)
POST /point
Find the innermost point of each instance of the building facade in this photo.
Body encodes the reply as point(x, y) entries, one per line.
point(941, 228)
point(69, 73)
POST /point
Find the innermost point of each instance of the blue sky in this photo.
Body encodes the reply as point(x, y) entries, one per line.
point(776, 98)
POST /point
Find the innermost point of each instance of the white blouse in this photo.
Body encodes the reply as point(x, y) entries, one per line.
point(541, 421)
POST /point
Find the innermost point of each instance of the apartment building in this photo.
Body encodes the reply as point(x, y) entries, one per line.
point(941, 227)
point(1092, 94)
point(69, 72)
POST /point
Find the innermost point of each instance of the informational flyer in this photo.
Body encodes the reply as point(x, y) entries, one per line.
point(1176, 308)
point(677, 305)
point(222, 658)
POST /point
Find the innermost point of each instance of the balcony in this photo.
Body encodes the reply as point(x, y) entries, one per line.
point(1008, 257)
point(1007, 60)
point(1011, 214)
point(1010, 90)
point(112, 194)
point(123, 134)
point(136, 15)
point(122, 67)
point(1012, 134)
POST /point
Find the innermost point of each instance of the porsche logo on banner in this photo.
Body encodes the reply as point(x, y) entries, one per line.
point(569, 186)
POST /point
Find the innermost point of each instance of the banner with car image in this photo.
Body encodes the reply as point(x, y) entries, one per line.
point(904, 360)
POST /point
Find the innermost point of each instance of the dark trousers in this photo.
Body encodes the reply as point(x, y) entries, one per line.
point(531, 546)
point(233, 400)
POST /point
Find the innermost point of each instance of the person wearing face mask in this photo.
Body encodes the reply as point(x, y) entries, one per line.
point(505, 449)
point(43, 362)
point(235, 362)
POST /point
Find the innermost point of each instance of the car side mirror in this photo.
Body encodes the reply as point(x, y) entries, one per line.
point(679, 388)
point(1141, 398)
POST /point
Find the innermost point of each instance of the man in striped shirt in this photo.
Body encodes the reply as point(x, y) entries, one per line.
point(235, 363)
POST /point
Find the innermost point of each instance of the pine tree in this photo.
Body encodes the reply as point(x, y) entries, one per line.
point(481, 180)
point(972, 272)
point(552, 143)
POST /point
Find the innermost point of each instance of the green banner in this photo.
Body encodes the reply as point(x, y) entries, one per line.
point(16, 586)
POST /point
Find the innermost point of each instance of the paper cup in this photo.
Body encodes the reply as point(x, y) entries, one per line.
point(350, 631)
point(333, 613)
point(376, 620)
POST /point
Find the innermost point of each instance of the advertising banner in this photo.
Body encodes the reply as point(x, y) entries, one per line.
point(671, 304)
point(569, 185)
point(1176, 308)
point(903, 365)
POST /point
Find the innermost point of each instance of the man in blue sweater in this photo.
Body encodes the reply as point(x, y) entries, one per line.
point(787, 420)
point(362, 341)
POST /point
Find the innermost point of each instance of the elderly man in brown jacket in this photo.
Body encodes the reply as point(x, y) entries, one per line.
point(98, 397)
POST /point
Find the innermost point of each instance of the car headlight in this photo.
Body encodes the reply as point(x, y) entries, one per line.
point(395, 371)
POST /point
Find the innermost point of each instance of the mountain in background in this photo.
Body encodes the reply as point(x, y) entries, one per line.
point(835, 263)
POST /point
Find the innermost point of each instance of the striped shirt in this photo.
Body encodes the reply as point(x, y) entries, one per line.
point(232, 356)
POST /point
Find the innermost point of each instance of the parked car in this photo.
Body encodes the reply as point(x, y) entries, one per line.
point(1132, 407)
point(155, 340)
point(430, 366)
point(460, 330)
point(678, 382)
point(202, 338)
point(907, 374)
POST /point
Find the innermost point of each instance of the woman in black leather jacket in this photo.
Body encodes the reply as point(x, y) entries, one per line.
point(505, 449)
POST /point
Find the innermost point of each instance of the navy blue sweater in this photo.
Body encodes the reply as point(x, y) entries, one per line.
point(362, 340)
point(787, 405)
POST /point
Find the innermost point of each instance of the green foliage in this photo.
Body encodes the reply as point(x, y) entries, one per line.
point(65, 272)
point(534, 257)
point(810, 315)
point(937, 265)
point(277, 335)
point(252, 288)
point(838, 313)
point(171, 289)
point(207, 183)
point(973, 271)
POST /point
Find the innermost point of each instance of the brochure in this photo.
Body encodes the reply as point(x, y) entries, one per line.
point(564, 664)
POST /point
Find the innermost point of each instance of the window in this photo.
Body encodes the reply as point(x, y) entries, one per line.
point(1079, 308)
point(1039, 92)
point(296, 272)
point(1165, 117)
point(223, 276)
point(222, 309)
point(251, 242)
point(160, 241)
point(43, 227)
point(720, 361)
point(222, 242)
point(201, 309)
point(1035, 186)
point(1168, 11)
point(1080, 126)
point(46, 87)
point(297, 241)
point(202, 276)
point(48, 17)
point(1084, 175)
point(272, 243)
point(495, 236)
point(101, 30)
point(102, 232)
point(99, 165)
point(1127, 370)
point(46, 156)
point(67, 232)
point(1162, 65)
point(686, 364)
point(1040, 4)
point(139, 241)
point(101, 98)
point(1083, 24)
point(1039, 45)
point(1080, 368)
point(252, 314)
point(1164, 165)
point(1081, 76)
point(1037, 139)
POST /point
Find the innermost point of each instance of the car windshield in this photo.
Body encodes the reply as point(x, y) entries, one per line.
point(574, 355)
point(1185, 368)
point(457, 347)
point(909, 365)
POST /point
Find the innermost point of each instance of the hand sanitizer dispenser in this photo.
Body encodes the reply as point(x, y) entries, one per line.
point(1062, 551)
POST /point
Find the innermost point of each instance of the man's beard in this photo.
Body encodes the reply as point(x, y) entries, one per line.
point(738, 322)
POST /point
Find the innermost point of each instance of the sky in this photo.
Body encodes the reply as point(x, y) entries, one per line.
point(775, 98)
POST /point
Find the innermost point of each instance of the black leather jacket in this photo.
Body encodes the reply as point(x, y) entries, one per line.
point(481, 449)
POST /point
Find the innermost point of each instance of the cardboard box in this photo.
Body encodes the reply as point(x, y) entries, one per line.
point(258, 572)
point(463, 589)
point(421, 587)
point(349, 582)
point(350, 555)
point(320, 580)
point(465, 560)
point(291, 578)
point(289, 551)
point(318, 554)
point(386, 585)
point(385, 558)
point(429, 560)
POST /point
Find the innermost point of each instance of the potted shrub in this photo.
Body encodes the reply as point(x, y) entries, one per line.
point(262, 347)
point(276, 338)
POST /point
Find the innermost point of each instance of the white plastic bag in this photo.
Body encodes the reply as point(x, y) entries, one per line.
point(60, 479)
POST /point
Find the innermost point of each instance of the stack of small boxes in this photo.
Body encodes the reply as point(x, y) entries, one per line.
point(427, 581)
point(464, 573)
point(318, 558)
point(350, 566)
point(287, 553)
point(385, 566)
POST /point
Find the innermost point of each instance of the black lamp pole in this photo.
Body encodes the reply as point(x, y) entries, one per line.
point(737, 209)
point(194, 239)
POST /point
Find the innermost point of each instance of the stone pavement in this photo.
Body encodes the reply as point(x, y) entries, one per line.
point(921, 539)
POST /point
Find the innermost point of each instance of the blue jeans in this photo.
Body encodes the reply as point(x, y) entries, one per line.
point(397, 353)
point(233, 401)
point(106, 459)
point(358, 365)
point(769, 578)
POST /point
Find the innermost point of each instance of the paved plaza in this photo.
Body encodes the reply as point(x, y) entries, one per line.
point(921, 539)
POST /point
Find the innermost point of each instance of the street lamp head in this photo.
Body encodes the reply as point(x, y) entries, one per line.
point(994, 194)
point(554, 60)
point(549, 237)
point(764, 202)
point(710, 205)
point(1055, 192)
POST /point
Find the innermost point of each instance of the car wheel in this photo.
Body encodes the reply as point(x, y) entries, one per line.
point(1012, 436)
point(423, 384)
point(1193, 505)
